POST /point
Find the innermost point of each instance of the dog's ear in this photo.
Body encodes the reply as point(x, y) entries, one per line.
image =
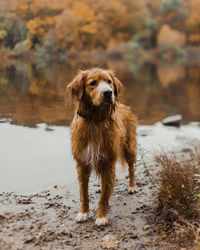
point(75, 89)
point(118, 88)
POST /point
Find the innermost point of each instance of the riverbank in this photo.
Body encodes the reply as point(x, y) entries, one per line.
point(44, 219)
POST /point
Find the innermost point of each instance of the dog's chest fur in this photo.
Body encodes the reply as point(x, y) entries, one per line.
point(93, 143)
point(92, 153)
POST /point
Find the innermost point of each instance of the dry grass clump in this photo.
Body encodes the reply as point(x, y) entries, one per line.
point(178, 211)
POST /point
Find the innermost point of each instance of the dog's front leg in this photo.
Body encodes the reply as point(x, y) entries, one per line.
point(83, 177)
point(107, 183)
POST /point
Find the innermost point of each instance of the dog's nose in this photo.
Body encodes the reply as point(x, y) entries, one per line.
point(107, 93)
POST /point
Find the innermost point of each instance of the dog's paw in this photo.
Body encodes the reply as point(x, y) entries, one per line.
point(101, 221)
point(132, 190)
point(81, 217)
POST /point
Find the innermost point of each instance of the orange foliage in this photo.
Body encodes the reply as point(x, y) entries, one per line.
point(40, 15)
point(93, 23)
point(89, 24)
point(67, 35)
point(193, 21)
point(40, 26)
point(169, 36)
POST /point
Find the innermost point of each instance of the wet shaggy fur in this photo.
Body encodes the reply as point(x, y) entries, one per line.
point(103, 131)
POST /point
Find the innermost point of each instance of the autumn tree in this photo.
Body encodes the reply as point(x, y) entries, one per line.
point(193, 22)
point(76, 25)
point(40, 15)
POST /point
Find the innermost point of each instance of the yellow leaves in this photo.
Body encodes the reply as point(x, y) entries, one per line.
point(40, 15)
point(87, 235)
point(3, 34)
point(20, 7)
point(193, 20)
point(194, 38)
point(79, 24)
point(90, 28)
point(3, 80)
point(86, 16)
point(146, 227)
point(88, 24)
point(34, 87)
point(83, 11)
point(74, 25)
point(170, 196)
point(40, 25)
point(32, 25)
point(66, 29)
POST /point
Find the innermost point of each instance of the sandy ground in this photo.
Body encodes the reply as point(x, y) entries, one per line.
point(45, 220)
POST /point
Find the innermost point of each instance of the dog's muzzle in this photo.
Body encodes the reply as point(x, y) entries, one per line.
point(107, 94)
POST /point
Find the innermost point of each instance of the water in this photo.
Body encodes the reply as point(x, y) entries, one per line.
point(35, 140)
point(29, 96)
point(34, 159)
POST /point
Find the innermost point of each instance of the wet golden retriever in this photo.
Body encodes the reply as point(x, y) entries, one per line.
point(103, 131)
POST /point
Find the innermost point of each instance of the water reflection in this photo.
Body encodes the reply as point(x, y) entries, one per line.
point(29, 96)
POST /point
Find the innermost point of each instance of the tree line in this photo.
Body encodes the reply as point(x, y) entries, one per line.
point(65, 26)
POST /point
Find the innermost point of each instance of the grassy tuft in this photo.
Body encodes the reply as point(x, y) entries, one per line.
point(178, 212)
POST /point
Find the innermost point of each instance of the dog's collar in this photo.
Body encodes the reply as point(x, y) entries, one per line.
point(87, 117)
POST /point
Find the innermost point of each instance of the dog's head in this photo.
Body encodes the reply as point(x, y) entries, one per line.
point(99, 86)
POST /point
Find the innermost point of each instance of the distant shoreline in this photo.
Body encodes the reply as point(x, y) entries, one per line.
point(191, 56)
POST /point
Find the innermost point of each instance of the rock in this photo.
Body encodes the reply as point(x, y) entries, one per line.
point(196, 124)
point(174, 121)
point(109, 241)
point(39, 234)
point(144, 132)
point(2, 217)
point(29, 240)
point(139, 246)
point(134, 237)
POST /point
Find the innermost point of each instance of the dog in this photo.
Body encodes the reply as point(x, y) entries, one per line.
point(103, 131)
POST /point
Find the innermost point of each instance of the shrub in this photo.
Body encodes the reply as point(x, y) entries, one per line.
point(180, 185)
point(167, 5)
point(179, 194)
point(47, 52)
point(145, 32)
point(21, 47)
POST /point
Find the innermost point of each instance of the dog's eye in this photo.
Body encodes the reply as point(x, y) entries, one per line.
point(93, 83)
point(109, 81)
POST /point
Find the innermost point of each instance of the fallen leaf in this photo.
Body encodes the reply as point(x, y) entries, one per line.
point(87, 235)
point(146, 227)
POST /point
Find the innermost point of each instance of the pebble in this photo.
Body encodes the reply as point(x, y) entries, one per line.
point(109, 242)
point(139, 246)
point(134, 237)
point(29, 240)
